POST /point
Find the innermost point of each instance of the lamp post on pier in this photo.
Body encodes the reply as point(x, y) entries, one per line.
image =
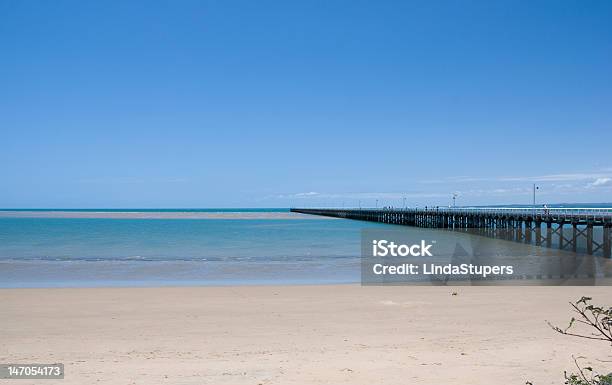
point(534, 197)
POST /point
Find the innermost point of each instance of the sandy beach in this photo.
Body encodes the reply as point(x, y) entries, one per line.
point(296, 334)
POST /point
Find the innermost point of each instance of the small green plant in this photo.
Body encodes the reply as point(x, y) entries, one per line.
point(596, 317)
point(586, 376)
point(599, 322)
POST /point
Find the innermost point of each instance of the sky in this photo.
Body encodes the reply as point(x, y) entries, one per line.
point(115, 104)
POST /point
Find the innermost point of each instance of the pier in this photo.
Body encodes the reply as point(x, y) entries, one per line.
point(577, 229)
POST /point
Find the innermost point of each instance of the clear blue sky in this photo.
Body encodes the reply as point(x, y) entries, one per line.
point(271, 104)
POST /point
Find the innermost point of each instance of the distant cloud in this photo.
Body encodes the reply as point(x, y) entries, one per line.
point(131, 180)
point(569, 177)
point(295, 195)
point(400, 195)
point(306, 194)
point(359, 195)
point(554, 177)
point(502, 188)
point(600, 182)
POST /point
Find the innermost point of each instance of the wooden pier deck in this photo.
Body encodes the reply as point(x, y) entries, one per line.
point(588, 230)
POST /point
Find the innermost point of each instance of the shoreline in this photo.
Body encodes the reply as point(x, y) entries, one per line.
point(296, 334)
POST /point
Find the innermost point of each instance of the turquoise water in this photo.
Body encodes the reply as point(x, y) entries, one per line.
point(84, 248)
point(171, 239)
point(61, 252)
point(187, 210)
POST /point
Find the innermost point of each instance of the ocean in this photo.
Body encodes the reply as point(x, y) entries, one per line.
point(268, 247)
point(147, 247)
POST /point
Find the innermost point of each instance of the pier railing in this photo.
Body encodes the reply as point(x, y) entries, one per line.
point(574, 212)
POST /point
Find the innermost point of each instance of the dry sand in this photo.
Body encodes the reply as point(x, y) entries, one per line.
point(296, 334)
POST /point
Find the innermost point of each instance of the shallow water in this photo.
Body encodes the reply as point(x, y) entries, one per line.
point(105, 252)
point(66, 249)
